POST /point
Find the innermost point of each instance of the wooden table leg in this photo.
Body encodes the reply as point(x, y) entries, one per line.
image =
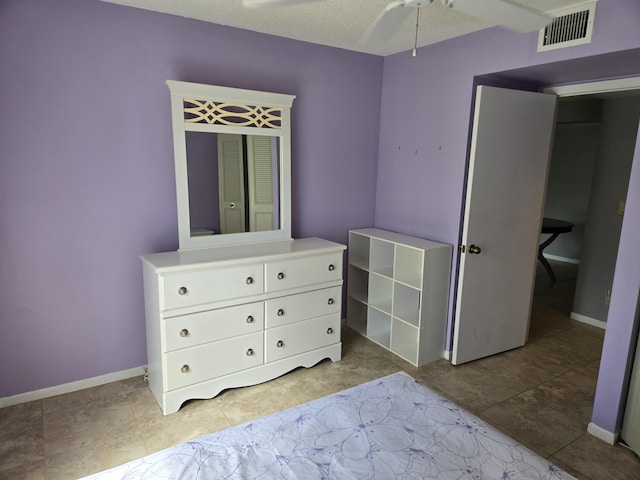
point(543, 260)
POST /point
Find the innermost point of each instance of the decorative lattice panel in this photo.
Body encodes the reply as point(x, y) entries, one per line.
point(237, 115)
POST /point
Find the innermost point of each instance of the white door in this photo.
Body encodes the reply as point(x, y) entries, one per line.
point(509, 159)
point(231, 183)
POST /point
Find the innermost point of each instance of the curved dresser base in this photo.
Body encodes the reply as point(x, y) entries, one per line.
point(172, 401)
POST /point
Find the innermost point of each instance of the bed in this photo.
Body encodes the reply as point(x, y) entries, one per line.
point(390, 428)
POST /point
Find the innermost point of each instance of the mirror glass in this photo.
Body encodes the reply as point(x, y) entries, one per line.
point(233, 183)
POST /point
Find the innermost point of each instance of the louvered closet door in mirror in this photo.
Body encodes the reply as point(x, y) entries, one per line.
point(231, 180)
point(260, 181)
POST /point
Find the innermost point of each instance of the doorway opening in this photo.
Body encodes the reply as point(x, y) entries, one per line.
point(587, 185)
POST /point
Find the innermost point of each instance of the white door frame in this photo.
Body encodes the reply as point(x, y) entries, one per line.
point(605, 86)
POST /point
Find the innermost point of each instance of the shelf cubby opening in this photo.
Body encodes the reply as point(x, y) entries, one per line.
point(404, 340)
point(406, 304)
point(408, 266)
point(357, 315)
point(381, 257)
point(380, 293)
point(379, 327)
point(359, 250)
point(358, 284)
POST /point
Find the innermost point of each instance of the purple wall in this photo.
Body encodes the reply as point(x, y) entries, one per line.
point(620, 337)
point(422, 159)
point(202, 172)
point(86, 166)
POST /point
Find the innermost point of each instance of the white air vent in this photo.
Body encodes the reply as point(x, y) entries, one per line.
point(571, 26)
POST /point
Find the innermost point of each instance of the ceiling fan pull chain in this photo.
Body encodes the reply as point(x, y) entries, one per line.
point(415, 44)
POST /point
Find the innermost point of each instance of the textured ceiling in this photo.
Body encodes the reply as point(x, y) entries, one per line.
point(336, 23)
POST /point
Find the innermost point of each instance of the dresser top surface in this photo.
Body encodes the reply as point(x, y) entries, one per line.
point(241, 253)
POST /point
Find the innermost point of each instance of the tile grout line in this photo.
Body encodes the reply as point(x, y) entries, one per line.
point(135, 417)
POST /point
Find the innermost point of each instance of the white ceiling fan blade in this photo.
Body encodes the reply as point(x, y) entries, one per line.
point(387, 24)
point(502, 12)
point(272, 3)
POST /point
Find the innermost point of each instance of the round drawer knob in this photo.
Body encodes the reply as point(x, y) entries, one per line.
point(249, 280)
point(249, 352)
point(182, 291)
point(329, 331)
point(280, 276)
point(280, 344)
point(184, 333)
point(330, 301)
point(250, 319)
point(332, 267)
point(280, 312)
point(185, 369)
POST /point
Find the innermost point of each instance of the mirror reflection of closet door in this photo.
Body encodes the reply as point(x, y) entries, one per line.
point(245, 174)
point(231, 180)
point(260, 182)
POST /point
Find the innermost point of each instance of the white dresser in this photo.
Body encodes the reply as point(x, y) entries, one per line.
point(235, 316)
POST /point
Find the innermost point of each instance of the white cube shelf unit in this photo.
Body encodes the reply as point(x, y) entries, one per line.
point(398, 292)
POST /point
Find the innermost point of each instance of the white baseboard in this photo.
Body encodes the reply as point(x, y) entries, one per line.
point(604, 435)
point(589, 320)
point(447, 354)
point(548, 256)
point(71, 387)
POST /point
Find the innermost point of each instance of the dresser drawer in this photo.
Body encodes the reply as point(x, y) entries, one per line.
point(211, 285)
point(303, 271)
point(197, 364)
point(293, 308)
point(299, 337)
point(204, 327)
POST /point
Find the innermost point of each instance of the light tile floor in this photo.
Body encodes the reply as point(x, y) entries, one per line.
point(540, 394)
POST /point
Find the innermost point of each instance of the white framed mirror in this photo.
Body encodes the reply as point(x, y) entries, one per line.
point(232, 151)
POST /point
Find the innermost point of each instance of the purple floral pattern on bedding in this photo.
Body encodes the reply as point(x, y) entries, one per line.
point(391, 428)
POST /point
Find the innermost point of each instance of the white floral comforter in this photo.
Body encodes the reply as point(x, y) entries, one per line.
point(391, 428)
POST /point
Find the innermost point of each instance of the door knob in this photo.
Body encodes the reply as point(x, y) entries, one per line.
point(474, 249)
